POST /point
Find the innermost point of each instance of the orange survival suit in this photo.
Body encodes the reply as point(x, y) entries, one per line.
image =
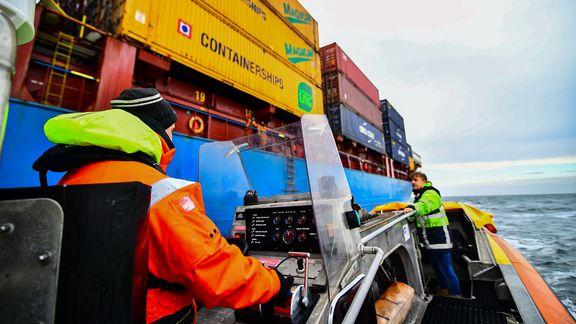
point(189, 260)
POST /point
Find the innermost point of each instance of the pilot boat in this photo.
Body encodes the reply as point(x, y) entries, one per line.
point(349, 265)
point(364, 267)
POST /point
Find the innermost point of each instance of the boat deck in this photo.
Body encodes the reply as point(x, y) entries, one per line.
point(485, 307)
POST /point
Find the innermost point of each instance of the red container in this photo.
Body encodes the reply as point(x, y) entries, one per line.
point(222, 130)
point(230, 107)
point(186, 92)
point(338, 89)
point(334, 59)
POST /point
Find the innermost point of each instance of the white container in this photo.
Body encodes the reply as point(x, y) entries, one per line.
point(21, 13)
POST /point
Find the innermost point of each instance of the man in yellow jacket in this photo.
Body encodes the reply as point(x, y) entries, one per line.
point(432, 227)
point(189, 260)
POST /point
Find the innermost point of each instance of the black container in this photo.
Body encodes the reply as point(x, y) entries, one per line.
point(389, 113)
point(349, 124)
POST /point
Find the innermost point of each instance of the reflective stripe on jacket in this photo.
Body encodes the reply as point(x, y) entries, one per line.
point(431, 219)
point(435, 233)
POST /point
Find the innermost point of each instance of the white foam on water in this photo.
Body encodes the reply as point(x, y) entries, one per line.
point(564, 214)
point(569, 305)
point(528, 244)
point(571, 309)
point(557, 278)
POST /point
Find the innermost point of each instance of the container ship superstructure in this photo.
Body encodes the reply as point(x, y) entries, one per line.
point(229, 68)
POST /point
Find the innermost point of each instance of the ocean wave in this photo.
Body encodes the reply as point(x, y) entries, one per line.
point(527, 244)
point(557, 278)
point(515, 215)
point(554, 263)
point(564, 214)
point(569, 305)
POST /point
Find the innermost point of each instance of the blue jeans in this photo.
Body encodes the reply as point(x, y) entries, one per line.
point(442, 263)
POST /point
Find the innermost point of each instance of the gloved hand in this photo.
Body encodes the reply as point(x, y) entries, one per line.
point(283, 295)
point(285, 292)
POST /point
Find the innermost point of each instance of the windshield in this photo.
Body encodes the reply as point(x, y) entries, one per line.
point(301, 158)
point(331, 197)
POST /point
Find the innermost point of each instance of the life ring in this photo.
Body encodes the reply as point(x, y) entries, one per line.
point(196, 128)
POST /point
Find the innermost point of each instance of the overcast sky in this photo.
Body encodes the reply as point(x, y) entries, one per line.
point(487, 88)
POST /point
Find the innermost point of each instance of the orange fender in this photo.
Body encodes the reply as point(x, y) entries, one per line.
point(551, 309)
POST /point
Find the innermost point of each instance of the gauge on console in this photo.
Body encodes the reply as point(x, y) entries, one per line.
point(302, 236)
point(276, 220)
point(302, 219)
point(288, 220)
point(276, 236)
point(288, 236)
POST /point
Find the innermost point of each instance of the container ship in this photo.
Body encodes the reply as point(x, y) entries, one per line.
point(229, 69)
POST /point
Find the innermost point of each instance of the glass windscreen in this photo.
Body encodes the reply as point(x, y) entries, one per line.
point(271, 162)
point(331, 198)
point(300, 158)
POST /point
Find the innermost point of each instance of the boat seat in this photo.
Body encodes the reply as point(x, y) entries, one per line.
point(461, 247)
point(100, 276)
point(462, 235)
point(394, 304)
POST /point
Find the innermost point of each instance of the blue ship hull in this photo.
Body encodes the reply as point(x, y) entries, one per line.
point(25, 141)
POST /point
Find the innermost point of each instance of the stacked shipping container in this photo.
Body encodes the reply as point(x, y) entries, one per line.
point(227, 66)
point(334, 59)
point(298, 17)
point(339, 89)
point(350, 99)
point(266, 48)
point(345, 121)
point(397, 146)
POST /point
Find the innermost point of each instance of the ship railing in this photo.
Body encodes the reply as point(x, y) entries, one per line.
point(361, 164)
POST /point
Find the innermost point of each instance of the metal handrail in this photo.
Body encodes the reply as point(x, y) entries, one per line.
point(367, 282)
point(384, 228)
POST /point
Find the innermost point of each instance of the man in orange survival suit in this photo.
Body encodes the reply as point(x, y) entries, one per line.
point(188, 258)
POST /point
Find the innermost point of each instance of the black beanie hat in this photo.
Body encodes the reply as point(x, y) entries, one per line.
point(146, 101)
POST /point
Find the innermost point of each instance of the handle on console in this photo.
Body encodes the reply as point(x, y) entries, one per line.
point(306, 257)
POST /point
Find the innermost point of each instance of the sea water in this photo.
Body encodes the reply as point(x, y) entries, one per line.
point(543, 229)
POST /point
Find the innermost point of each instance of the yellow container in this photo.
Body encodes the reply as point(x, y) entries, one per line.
point(296, 15)
point(256, 20)
point(136, 20)
point(191, 35)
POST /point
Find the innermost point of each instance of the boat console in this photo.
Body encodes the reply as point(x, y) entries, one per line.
point(280, 227)
point(281, 233)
